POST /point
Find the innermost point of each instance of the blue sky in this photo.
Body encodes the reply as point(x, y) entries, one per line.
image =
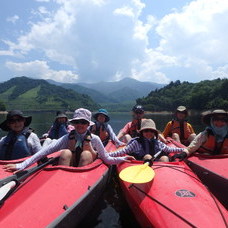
point(106, 40)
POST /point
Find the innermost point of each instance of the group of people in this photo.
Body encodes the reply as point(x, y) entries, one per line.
point(81, 141)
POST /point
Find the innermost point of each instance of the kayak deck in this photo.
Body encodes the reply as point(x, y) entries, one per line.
point(56, 196)
point(174, 198)
point(213, 172)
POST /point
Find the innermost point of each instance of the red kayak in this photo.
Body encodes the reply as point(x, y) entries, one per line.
point(213, 172)
point(174, 198)
point(56, 196)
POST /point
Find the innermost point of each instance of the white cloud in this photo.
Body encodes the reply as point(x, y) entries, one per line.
point(109, 40)
point(12, 19)
point(197, 32)
point(40, 69)
point(42, 0)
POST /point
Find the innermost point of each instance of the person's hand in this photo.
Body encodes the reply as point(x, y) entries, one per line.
point(128, 158)
point(180, 156)
point(10, 167)
point(122, 144)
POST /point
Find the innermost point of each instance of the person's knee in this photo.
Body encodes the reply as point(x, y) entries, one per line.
point(147, 157)
point(86, 158)
point(164, 159)
point(66, 154)
point(176, 137)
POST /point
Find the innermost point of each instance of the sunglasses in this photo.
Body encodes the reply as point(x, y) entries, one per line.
point(83, 122)
point(222, 119)
point(149, 130)
point(11, 121)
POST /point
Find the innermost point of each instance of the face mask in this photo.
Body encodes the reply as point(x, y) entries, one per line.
point(220, 132)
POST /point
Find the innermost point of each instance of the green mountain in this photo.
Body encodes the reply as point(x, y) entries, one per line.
point(38, 95)
point(208, 94)
point(94, 94)
point(125, 90)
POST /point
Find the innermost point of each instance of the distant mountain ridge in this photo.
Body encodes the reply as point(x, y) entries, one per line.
point(125, 90)
point(39, 95)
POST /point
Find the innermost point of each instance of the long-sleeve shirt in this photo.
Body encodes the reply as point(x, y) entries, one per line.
point(62, 143)
point(199, 140)
point(113, 136)
point(135, 146)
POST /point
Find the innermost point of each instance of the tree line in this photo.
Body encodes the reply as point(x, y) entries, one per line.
point(204, 95)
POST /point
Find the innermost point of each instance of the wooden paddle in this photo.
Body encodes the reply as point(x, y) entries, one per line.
point(139, 174)
point(10, 184)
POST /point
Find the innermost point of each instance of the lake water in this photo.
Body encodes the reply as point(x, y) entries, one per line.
point(111, 209)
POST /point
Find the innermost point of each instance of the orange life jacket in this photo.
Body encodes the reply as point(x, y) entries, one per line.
point(134, 128)
point(181, 128)
point(212, 147)
point(100, 131)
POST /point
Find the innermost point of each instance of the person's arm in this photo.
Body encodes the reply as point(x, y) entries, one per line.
point(113, 136)
point(124, 131)
point(59, 144)
point(191, 128)
point(168, 149)
point(197, 142)
point(104, 155)
point(166, 131)
point(34, 143)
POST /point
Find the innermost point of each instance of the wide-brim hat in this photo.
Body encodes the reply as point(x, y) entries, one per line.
point(182, 108)
point(103, 112)
point(60, 114)
point(148, 124)
point(4, 125)
point(207, 115)
point(82, 114)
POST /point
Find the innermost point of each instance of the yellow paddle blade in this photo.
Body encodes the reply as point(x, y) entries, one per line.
point(137, 174)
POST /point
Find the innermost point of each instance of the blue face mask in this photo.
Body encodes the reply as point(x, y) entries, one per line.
point(220, 132)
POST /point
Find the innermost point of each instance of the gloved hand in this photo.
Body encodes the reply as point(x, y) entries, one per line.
point(180, 156)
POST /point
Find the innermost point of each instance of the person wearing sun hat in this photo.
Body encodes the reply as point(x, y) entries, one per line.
point(79, 147)
point(214, 139)
point(147, 144)
point(103, 129)
point(179, 129)
point(20, 141)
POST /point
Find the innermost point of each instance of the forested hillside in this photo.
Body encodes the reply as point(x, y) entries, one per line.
point(208, 94)
point(38, 95)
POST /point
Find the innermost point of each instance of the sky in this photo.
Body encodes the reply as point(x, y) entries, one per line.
point(107, 40)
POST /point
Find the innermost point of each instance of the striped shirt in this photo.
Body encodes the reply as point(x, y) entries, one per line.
point(134, 146)
point(62, 143)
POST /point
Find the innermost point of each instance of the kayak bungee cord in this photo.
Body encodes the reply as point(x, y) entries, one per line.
point(212, 196)
point(177, 168)
point(163, 205)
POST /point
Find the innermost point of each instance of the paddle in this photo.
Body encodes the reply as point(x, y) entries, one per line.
point(10, 184)
point(139, 174)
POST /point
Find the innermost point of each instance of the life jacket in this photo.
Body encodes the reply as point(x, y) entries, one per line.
point(151, 149)
point(211, 146)
point(16, 145)
point(77, 148)
point(134, 128)
point(101, 131)
point(58, 130)
point(181, 128)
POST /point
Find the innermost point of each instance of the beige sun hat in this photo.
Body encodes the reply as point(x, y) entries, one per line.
point(182, 108)
point(148, 124)
point(206, 116)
